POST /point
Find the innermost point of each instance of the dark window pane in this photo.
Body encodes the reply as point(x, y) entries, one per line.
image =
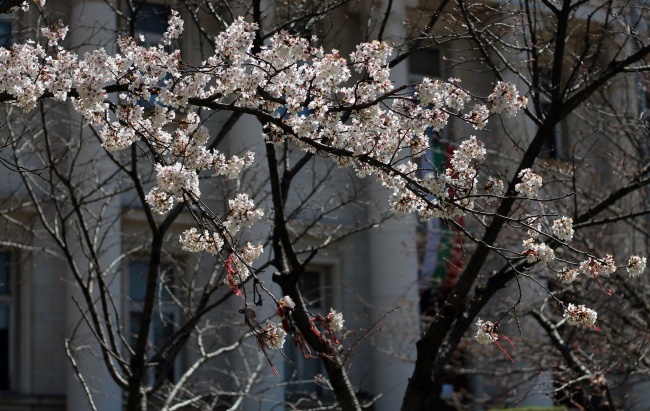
point(138, 281)
point(166, 284)
point(4, 274)
point(163, 320)
point(5, 33)
point(151, 18)
point(310, 285)
point(425, 62)
point(163, 330)
point(134, 326)
point(4, 347)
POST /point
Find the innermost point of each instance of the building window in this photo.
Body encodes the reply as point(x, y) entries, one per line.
point(428, 63)
point(166, 312)
point(425, 63)
point(151, 21)
point(7, 305)
point(5, 33)
point(300, 371)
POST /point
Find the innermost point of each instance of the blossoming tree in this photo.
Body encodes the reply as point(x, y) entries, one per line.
point(320, 103)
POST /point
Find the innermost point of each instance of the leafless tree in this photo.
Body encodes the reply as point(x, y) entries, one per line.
point(582, 66)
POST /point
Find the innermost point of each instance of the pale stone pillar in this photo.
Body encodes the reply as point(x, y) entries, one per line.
point(393, 271)
point(537, 388)
point(393, 276)
point(93, 25)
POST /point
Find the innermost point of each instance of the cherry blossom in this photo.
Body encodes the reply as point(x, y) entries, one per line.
point(331, 324)
point(563, 229)
point(530, 183)
point(285, 69)
point(194, 241)
point(174, 28)
point(286, 302)
point(489, 332)
point(334, 320)
point(55, 33)
point(486, 332)
point(580, 315)
point(160, 201)
point(249, 253)
point(242, 213)
point(506, 99)
point(177, 179)
point(478, 116)
point(537, 251)
point(568, 275)
point(595, 267)
point(534, 228)
point(303, 95)
point(273, 336)
point(494, 187)
point(232, 167)
point(636, 266)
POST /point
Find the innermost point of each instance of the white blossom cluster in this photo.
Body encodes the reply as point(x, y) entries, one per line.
point(461, 177)
point(334, 320)
point(636, 265)
point(580, 315)
point(534, 226)
point(160, 201)
point(286, 302)
point(178, 179)
point(537, 252)
point(174, 28)
point(530, 183)
point(272, 336)
point(439, 94)
point(595, 267)
point(288, 76)
point(55, 33)
point(233, 166)
point(494, 187)
point(478, 116)
point(371, 58)
point(568, 275)
point(238, 267)
point(241, 213)
point(194, 241)
point(249, 253)
point(506, 99)
point(563, 229)
point(470, 151)
point(487, 332)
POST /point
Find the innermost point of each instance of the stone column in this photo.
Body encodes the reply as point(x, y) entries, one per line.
point(93, 25)
point(393, 276)
point(532, 389)
point(393, 271)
